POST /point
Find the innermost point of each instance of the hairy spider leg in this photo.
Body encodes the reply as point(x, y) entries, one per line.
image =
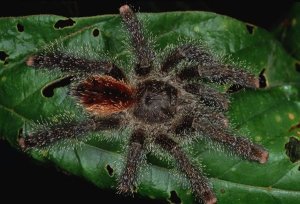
point(198, 181)
point(220, 74)
point(47, 134)
point(127, 180)
point(207, 67)
point(141, 48)
point(239, 145)
point(74, 65)
point(186, 52)
point(184, 123)
point(208, 96)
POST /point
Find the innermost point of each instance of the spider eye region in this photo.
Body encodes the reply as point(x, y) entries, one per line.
point(155, 101)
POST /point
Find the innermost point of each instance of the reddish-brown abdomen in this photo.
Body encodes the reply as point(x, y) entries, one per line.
point(104, 95)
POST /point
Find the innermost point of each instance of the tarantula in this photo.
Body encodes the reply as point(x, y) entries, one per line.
point(164, 105)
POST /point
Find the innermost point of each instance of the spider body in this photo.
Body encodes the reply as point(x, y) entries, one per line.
point(162, 106)
point(104, 95)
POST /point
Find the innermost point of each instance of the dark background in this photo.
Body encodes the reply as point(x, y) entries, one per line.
point(265, 13)
point(21, 178)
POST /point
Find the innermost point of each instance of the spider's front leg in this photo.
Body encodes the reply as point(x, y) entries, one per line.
point(127, 181)
point(198, 181)
point(209, 96)
point(185, 123)
point(239, 145)
point(186, 52)
point(220, 74)
point(140, 44)
point(207, 67)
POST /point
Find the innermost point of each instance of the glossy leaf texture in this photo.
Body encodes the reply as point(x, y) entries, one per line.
point(268, 116)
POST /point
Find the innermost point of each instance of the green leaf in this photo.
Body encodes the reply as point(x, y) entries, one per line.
point(266, 116)
point(288, 31)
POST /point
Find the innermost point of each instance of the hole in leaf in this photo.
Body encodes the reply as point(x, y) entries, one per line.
point(299, 168)
point(64, 23)
point(262, 79)
point(48, 90)
point(293, 149)
point(174, 197)
point(96, 32)
point(250, 28)
point(20, 27)
point(3, 56)
point(234, 88)
point(110, 170)
point(297, 66)
point(20, 132)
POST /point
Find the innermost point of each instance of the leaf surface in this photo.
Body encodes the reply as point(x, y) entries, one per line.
point(266, 116)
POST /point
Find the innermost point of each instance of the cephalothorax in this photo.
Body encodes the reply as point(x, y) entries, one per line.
point(163, 104)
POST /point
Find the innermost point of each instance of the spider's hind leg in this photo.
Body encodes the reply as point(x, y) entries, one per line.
point(74, 65)
point(46, 134)
point(127, 180)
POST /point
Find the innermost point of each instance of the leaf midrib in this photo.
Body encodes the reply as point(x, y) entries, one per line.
point(12, 111)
